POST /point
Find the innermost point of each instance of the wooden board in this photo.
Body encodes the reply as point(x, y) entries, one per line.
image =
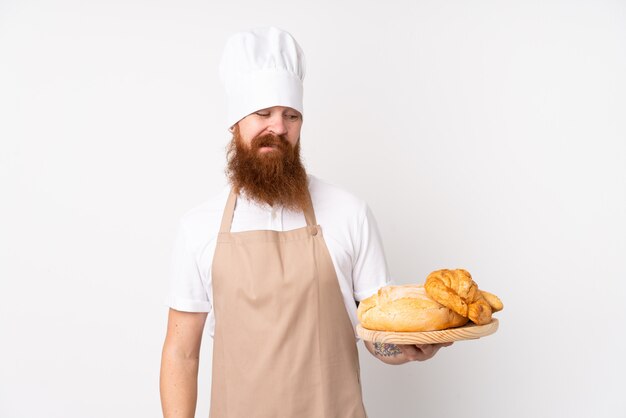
point(467, 332)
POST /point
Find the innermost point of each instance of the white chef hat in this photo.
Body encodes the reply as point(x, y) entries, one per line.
point(261, 68)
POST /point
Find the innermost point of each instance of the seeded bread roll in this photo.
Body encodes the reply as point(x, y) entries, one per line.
point(406, 308)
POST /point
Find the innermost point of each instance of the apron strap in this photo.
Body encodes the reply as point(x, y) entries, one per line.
point(309, 213)
point(229, 211)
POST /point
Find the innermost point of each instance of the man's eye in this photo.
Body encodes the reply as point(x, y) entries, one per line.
point(263, 114)
point(293, 117)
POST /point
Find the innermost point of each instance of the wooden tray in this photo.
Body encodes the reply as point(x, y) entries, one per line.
point(467, 332)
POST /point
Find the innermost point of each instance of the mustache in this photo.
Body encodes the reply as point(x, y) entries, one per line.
point(270, 140)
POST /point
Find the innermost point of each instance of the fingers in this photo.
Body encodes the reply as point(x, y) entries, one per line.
point(437, 345)
point(411, 352)
point(421, 352)
point(428, 350)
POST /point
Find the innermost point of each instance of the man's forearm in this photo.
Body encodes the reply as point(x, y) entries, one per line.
point(179, 386)
point(400, 354)
point(387, 353)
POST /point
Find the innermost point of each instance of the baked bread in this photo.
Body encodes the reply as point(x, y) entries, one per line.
point(456, 290)
point(493, 301)
point(406, 308)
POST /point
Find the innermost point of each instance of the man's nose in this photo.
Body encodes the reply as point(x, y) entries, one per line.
point(277, 125)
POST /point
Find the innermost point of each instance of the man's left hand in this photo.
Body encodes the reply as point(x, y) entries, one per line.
point(420, 352)
point(403, 353)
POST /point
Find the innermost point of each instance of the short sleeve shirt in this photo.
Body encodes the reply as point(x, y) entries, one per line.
point(350, 233)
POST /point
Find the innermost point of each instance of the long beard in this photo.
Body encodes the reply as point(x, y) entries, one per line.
point(276, 177)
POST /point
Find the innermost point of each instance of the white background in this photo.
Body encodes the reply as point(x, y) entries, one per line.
point(489, 135)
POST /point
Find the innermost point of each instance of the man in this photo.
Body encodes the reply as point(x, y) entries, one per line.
point(276, 263)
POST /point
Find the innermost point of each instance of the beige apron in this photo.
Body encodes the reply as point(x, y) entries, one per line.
point(284, 345)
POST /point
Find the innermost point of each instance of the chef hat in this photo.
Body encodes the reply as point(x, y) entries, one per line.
point(261, 68)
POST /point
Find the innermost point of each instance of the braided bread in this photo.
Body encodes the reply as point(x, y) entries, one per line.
point(456, 290)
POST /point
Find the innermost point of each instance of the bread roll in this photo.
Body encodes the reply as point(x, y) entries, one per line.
point(493, 301)
point(406, 308)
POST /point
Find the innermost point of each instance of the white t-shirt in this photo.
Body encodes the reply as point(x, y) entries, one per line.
point(348, 226)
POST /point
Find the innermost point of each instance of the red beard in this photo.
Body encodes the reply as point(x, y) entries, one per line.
point(275, 177)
